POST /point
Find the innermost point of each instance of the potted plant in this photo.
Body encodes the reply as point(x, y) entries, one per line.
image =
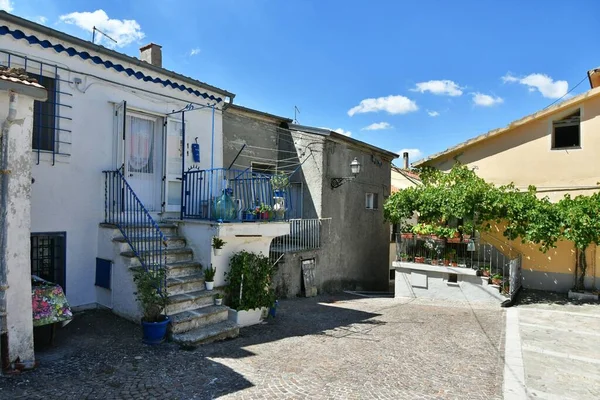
point(248, 287)
point(153, 297)
point(217, 245)
point(452, 257)
point(497, 279)
point(264, 211)
point(420, 260)
point(505, 287)
point(209, 277)
point(406, 231)
point(486, 270)
point(279, 182)
point(403, 257)
point(218, 299)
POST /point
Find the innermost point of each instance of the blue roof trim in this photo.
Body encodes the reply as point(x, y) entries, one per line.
point(84, 55)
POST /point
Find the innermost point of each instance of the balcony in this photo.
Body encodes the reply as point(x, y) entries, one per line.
point(229, 195)
point(499, 266)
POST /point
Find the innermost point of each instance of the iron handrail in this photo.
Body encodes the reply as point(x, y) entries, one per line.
point(124, 209)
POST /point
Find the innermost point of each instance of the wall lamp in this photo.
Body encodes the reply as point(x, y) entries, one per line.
point(354, 168)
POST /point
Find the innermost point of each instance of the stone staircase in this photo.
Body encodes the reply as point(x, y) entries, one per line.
point(195, 319)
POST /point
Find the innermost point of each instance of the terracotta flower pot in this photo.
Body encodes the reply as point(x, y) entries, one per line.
point(407, 235)
point(446, 263)
point(454, 264)
point(420, 260)
point(496, 281)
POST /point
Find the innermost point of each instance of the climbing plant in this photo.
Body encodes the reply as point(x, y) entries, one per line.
point(460, 195)
point(248, 281)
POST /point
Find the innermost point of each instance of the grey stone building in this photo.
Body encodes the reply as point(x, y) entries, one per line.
point(336, 218)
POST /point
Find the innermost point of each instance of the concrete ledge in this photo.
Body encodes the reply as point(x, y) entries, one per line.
point(434, 268)
point(585, 296)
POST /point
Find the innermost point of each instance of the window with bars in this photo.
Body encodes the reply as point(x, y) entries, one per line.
point(44, 117)
point(48, 257)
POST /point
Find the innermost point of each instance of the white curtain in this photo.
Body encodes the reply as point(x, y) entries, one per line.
point(141, 145)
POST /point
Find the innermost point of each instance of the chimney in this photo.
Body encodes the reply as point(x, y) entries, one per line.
point(152, 53)
point(594, 77)
point(405, 157)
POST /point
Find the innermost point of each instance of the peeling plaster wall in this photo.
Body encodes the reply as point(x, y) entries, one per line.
point(18, 222)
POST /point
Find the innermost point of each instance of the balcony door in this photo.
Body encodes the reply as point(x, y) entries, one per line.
point(143, 157)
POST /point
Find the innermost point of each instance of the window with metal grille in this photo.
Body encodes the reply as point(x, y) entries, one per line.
point(44, 117)
point(48, 257)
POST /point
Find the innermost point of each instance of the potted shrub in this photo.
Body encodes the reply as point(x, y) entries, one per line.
point(209, 277)
point(279, 182)
point(406, 231)
point(403, 257)
point(420, 260)
point(218, 299)
point(248, 287)
point(497, 279)
point(153, 297)
point(263, 211)
point(217, 245)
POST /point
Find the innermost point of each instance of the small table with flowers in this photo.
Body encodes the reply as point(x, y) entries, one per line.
point(49, 304)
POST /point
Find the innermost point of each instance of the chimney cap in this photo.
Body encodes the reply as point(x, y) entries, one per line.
point(149, 45)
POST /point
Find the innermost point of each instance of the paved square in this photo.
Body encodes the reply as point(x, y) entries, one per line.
point(560, 347)
point(340, 347)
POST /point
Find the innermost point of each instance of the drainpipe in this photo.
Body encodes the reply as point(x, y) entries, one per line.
point(4, 176)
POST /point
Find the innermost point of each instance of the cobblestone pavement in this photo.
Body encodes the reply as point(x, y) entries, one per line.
point(560, 347)
point(340, 347)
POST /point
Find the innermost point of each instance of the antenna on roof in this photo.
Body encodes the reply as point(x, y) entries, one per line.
point(94, 30)
point(296, 110)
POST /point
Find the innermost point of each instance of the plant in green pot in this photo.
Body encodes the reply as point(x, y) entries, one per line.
point(153, 297)
point(209, 277)
point(217, 245)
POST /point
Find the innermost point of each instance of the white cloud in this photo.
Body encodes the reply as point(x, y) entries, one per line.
point(195, 51)
point(486, 100)
point(342, 132)
point(433, 113)
point(390, 104)
point(6, 5)
point(41, 20)
point(377, 126)
point(441, 87)
point(124, 31)
point(542, 83)
point(413, 154)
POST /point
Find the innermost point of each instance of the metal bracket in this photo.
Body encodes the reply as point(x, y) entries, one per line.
point(337, 182)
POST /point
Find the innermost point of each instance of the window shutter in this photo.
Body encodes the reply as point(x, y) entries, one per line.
point(375, 201)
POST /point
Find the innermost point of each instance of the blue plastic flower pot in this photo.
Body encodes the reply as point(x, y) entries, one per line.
point(155, 332)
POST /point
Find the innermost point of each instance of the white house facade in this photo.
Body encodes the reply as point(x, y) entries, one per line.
point(134, 120)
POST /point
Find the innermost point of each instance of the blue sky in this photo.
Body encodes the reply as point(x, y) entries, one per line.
point(401, 75)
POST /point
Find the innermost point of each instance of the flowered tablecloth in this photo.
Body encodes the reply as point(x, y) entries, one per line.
point(49, 303)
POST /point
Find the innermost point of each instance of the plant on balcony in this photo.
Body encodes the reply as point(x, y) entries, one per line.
point(248, 281)
point(217, 245)
point(485, 270)
point(153, 297)
point(209, 277)
point(497, 279)
point(403, 257)
point(452, 257)
point(263, 211)
point(406, 231)
point(280, 182)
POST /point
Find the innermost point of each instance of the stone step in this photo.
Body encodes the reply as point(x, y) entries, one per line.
point(200, 317)
point(207, 334)
point(167, 228)
point(190, 301)
point(173, 242)
point(172, 255)
point(185, 283)
point(183, 268)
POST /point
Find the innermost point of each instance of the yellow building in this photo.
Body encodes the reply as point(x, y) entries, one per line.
point(556, 149)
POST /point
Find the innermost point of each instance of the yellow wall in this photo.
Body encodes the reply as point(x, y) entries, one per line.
point(524, 156)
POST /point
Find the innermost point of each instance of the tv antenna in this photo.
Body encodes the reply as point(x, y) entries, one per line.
point(296, 110)
point(94, 30)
